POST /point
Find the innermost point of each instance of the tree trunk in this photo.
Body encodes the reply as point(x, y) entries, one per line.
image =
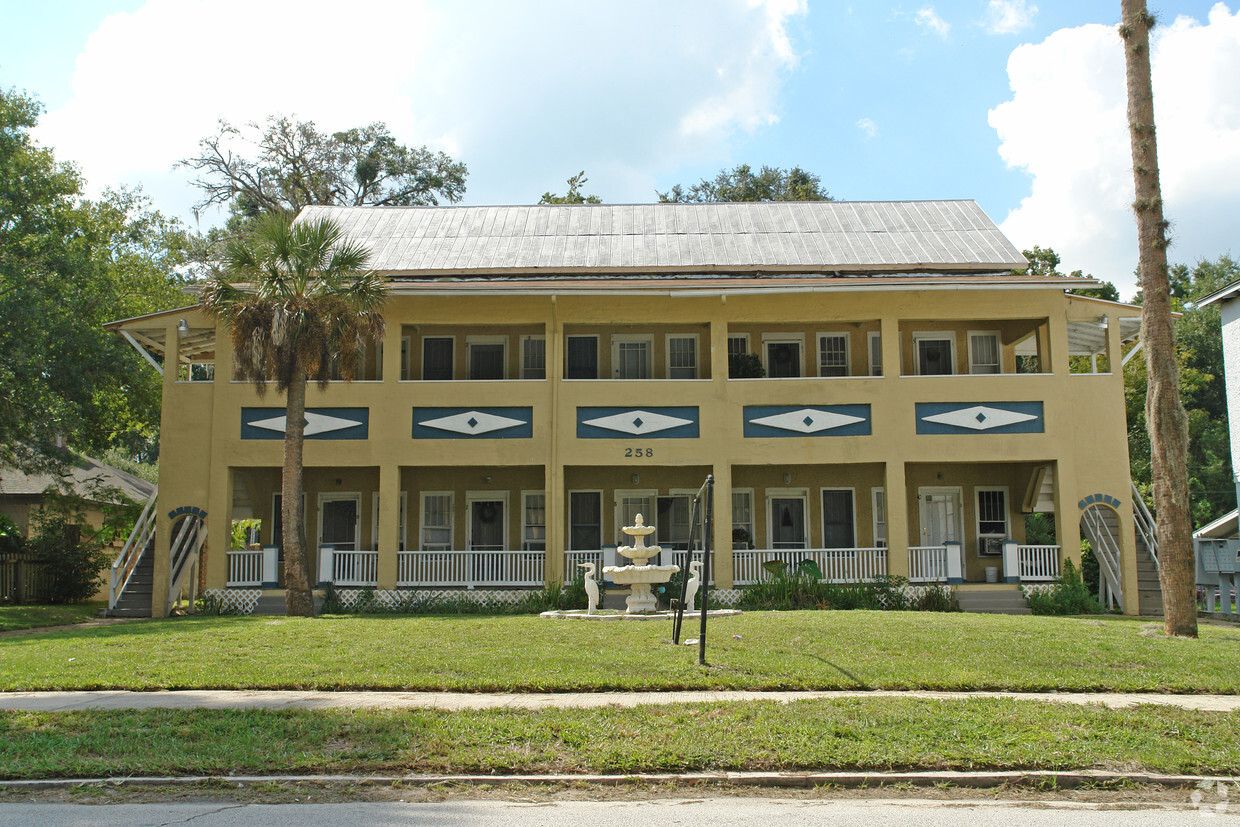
point(1164, 413)
point(298, 594)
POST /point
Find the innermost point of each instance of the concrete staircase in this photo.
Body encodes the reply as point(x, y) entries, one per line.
point(135, 601)
point(993, 601)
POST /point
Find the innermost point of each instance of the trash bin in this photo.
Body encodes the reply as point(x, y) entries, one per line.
point(992, 574)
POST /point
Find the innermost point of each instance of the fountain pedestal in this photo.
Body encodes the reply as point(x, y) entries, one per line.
point(640, 576)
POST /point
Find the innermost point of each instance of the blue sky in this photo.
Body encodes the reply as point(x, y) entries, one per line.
point(1016, 104)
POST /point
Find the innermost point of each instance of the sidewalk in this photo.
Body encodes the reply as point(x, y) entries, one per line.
point(293, 699)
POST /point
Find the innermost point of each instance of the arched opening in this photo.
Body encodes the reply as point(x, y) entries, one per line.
point(1100, 530)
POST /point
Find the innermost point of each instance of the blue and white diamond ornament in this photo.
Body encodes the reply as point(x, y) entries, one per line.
point(472, 422)
point(979, 418)
point(807, 420)
point(638, 422)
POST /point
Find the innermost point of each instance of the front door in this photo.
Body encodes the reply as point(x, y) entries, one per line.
point(486, 525)
point(940, 516)
point(338, 524)
point(788, 522)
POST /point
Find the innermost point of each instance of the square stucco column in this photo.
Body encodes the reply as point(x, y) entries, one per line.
point(163, 523)
point(722, 570)
point(219, 527)
point(389, 523)
point(553, 477)
point(895, 502)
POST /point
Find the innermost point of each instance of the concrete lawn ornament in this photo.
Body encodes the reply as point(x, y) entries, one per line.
point(591, 588)
point(695, 581)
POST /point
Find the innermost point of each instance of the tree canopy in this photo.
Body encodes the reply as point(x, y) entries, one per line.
point(67, 266)
point(293, 164)
point(741, 183)
point(1044, 261)
point(573, 196)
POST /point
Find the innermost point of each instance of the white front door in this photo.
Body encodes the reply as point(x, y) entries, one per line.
point(940, 516)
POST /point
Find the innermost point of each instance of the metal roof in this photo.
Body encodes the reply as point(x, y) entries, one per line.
point(803, 236)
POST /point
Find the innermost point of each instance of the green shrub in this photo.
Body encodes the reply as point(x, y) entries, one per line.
point(214, 605)
point(1068, 596)
point(801, 588)
point(77, 564)
point(936, 599)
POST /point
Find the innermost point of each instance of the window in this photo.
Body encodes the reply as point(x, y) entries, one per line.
point(682, 356)
point(935, 354)
point(630, 356)
point(984, 353)
point(838, 525)
point(534, 357)
point(487, 356)
point(437, 521)
point(876, 354)
point(585, 520)
point(437, 357)
point(832, 354)
point(581, 357)
point(534, 521)
point(992, 515)
point(880, 517)
point(738, 344)
point(628, 505)
point(783, 356)
point(742, 519)
point(786, 524)
point(406, 347)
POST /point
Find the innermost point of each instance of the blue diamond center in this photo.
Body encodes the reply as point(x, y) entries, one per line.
point(472, 422)
point(809, 420)
point(981, 417)
point(637, 422)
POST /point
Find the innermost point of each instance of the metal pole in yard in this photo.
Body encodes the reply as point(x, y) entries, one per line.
point(709, 533)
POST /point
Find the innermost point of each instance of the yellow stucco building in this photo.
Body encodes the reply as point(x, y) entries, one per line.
point(549, 372)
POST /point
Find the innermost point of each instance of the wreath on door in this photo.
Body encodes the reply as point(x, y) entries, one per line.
point(487, 512)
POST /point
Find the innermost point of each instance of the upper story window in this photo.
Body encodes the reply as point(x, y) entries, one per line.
point(437, 357)
point(782, 355)
point(832, 354)
point(682, 362)
point(934, 354)
point(487, 356)
point(984, 352)
point(581, 357)
point(875, 341)
point(534, 357)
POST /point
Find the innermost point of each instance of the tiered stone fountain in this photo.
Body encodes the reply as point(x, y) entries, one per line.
point(639, 576)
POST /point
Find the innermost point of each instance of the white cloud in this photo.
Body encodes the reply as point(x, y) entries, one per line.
point(526, 94)
point(868, 127)
point(928, 18)
point(1008, 16)
point(1066, 126)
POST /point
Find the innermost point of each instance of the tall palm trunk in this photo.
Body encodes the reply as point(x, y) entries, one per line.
point(1164, 413)
point(298, 595)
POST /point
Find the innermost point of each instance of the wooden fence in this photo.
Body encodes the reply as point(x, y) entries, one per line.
point(24, 578)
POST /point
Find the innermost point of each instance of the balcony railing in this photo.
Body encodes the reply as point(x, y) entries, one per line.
point(470, 569)
point(838, 565)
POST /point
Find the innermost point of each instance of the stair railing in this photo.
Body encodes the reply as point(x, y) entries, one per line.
point(1106, 551)
point(125, 563)
point(184, 558)
point(1145, 523)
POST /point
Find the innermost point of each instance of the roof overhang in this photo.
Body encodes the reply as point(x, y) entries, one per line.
point(1223, 294)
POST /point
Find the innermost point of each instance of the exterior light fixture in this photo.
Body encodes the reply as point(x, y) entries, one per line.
point(182, 329)
point(787, 478)
point(635, 479)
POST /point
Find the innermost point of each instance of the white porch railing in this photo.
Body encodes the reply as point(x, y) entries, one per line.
point(470, 569)
point(183, 559)
point(1038, 563)
point(125, 562)
point(838, 565)
point(252, 567)
point(927, 564)
point(577, 556)
point(348, 568)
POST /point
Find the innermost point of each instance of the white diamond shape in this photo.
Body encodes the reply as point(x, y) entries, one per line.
point(807, 420)
point(484, 423)
point(979, 418)
point(316, 423)
point(637, 422)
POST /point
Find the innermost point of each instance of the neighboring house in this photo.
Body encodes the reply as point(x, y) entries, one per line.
point(549, 372)
point(1218, 544)
point(24, 496)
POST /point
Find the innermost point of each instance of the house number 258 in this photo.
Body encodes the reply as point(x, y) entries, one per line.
point(639, 452)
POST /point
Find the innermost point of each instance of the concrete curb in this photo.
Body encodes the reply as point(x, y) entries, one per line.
point(1054, 779)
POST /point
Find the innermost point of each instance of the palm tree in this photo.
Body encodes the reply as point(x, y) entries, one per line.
point(303, 299)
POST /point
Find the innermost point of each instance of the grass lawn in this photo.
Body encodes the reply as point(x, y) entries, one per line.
point(760, 650)
point(868, 733)
point(30, 617)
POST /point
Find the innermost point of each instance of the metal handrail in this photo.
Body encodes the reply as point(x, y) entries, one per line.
point(1145, 523)
point(183, 555)
point(1106, 552)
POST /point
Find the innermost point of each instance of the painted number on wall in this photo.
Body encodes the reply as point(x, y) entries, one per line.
point(639, 452)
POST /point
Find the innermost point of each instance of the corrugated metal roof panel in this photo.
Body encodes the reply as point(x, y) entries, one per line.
point(822, 235)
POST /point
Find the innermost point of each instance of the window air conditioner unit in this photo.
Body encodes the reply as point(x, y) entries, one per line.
point(991, 546)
